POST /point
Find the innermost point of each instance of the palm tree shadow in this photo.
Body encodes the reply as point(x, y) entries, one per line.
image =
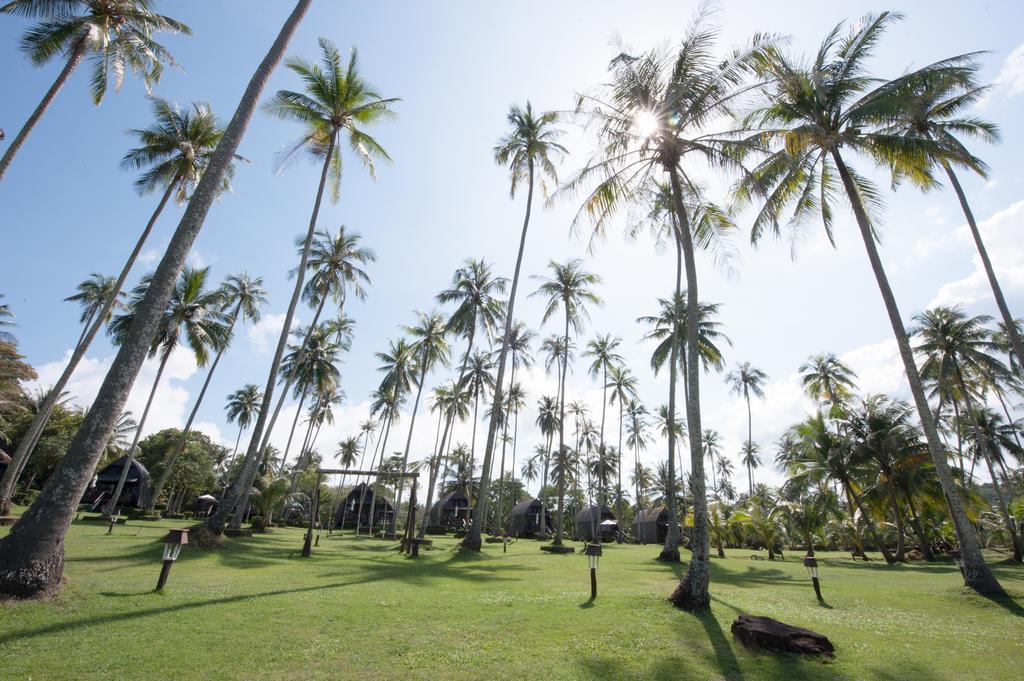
point(1007, 603)
point(728, 665)
point(123, 616)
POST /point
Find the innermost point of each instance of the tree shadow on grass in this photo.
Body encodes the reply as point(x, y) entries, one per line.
point(1007, 603)
point(64, 626)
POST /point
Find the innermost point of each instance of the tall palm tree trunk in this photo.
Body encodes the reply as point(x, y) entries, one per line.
point(474, 538)
point(408, 441)
point(986, 453)
point(504, 441)
point(693, 592)
point(918, 526)
point(366, 485)
point(291, 433)
point(180, 446)
point(238, 492)
point(870, 524)
point(618, 501)
point(997, 292)
point(112, 502)
point(35, 429)
point(74, 59)
point(560, 522)
point(901, 548)
point(86, 325)
point(750, 447)
point(977, 574)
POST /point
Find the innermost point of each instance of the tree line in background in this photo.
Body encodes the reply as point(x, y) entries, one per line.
point(867, 472)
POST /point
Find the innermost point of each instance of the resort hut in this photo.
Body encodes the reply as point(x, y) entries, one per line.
point(450, 512)
point(525, 520)
point(375, 508)
point(135, 492)
point(651, 525)
point(604, 520)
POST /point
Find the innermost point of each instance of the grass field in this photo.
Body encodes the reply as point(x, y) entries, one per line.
point(358, 609)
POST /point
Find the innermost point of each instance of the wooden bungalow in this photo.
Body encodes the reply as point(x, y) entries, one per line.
point(450, 512)
point(135, 492)
point(589, 519)
point(525, 519)
point(375, 507)
point(651, 525)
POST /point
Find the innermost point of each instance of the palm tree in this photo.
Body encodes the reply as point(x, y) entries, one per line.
point(637, 439)
point(547, 421)
point(744, 381)
point(347, 455)
point(194, 317)
point(957, 347)
point(430, 348)
point(827, 379)
point(474, 290)
point(337, 101)
point(623, 385)
point(602, 350)
point(569, 288)
point(657, 113)
point(519, 347)
point(242, 407)
point(528, 150)
point(934, 107)
point(312, 364)
point(816, 111)
point(712, 450)
point(749, 458)
point(175, 153)
point(117, 33)
point(241, 297)
point(93, 292)
point(31, 556)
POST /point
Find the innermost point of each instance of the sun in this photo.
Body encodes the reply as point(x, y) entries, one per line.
point(646, 123)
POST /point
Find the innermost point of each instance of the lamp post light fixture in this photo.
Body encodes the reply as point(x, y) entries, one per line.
point(173, 542)
point(811, 563)
point(593, 552)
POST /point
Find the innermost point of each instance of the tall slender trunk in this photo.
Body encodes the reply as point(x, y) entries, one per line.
point(35, 429)
point(112, 503)
point(291, 433)
point(960, 444)
point(977, 574)
point(385, 426)
point(901, 549)
point(693, 592)
point(474, 538)
point(257, 444)
point(504, 441)
point(915, 522)
point(78, 53)
point(408, 439)
point(561, 458)
point(986, 453)
point(997, 292)
point(180, 446)
point(750, 447)
point(618, 501)
point(86, 325)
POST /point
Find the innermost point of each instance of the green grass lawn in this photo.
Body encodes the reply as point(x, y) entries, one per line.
point(358, 609)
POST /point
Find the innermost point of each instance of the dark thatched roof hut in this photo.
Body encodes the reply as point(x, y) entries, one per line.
point(525, 519)
point(349, 514)
point(651, 525)
point(449, 512)
point(588, 520)
point(135, 492)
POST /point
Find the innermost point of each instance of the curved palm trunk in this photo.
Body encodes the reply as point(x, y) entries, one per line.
point(86, 325)
point(473, 540)
point(997, 292)
point(501, 468)
point(693, 592)
point(35, 429)
point(977, 574)
point(258, 443)
point(872, 529)
point(918, 526)
point(74, 59)
point(618, 501)
point(291, 434)
point(408, 442)
point(180, 446)
point(560, 522)
point(986, 454)
point(112, 503)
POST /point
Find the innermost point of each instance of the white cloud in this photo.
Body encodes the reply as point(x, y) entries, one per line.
point(1012, 74)
point(169, 404)
point(198, 259)
point(263, 335)
point(149, 257)
point(1001, 234)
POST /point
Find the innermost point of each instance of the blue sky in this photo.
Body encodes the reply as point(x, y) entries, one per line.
point(66, 209)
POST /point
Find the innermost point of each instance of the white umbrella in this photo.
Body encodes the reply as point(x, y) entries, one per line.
point(207, 497)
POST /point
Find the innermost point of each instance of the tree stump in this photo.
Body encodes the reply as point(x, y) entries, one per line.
point(770, 634)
